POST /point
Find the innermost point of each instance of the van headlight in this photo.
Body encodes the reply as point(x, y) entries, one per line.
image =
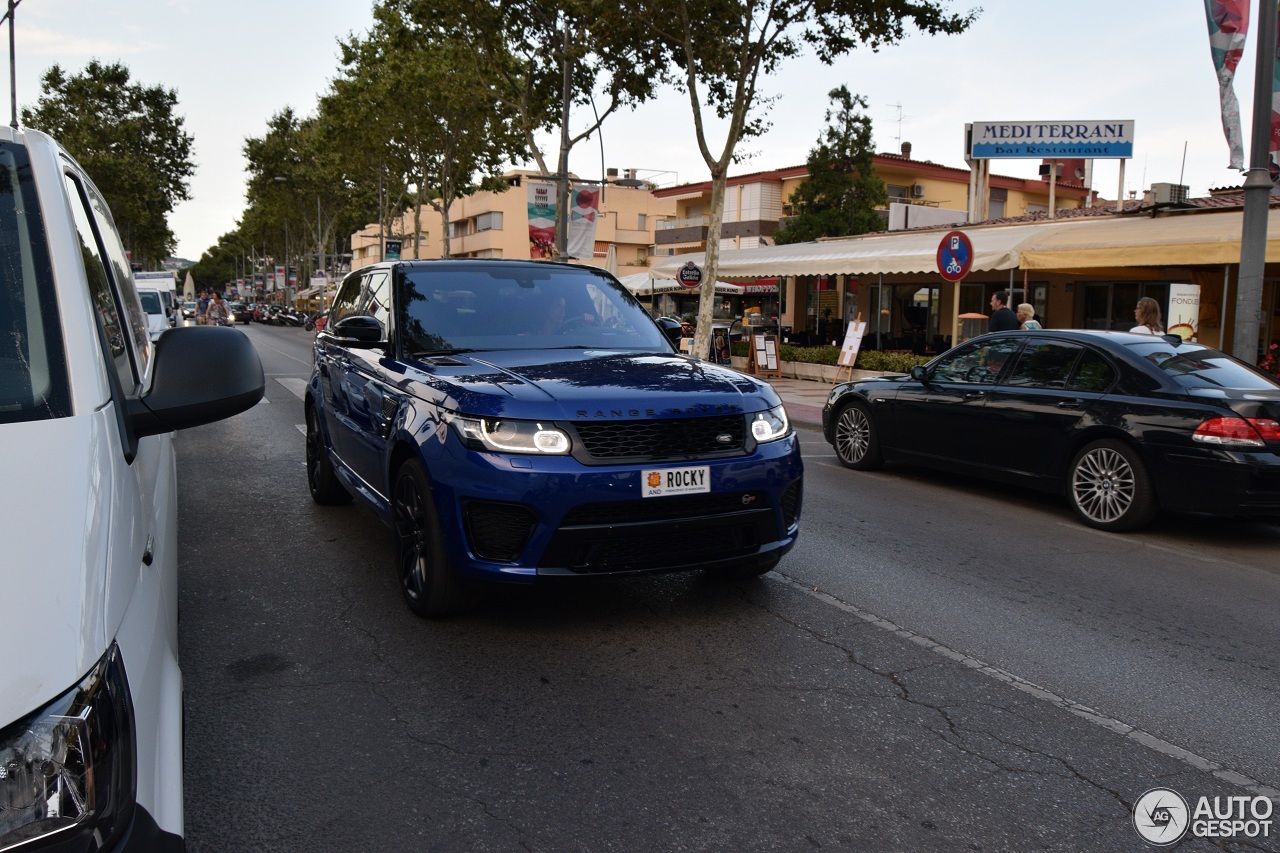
point(769, 426)
point(69, 769)
point(511, 436)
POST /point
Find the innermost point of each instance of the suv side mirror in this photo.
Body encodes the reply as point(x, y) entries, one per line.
point(358, 329)
point(671, 329)
point(202, 374)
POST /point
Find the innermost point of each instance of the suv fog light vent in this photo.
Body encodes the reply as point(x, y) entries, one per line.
point(498, 531)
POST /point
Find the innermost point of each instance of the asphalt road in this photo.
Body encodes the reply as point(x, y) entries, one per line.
point(938, 665)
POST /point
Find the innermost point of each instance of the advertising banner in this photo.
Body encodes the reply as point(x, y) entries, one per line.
point(1184, 310)
point(542, 219)
point(1228, 27)
point(996, 140)
point(580, 241)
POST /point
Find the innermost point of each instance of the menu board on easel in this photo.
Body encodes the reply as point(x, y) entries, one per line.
point(763, 355)
point(849, 351)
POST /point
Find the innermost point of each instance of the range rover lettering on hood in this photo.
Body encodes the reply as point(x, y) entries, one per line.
point(702, 409)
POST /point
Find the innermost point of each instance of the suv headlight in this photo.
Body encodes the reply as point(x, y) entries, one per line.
point(511, 436)
point(770, 426)
point(69, 768)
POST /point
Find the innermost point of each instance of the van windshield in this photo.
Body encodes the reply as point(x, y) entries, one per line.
point(33, 370)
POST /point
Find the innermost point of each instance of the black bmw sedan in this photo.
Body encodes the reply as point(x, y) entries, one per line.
point(1125, 425)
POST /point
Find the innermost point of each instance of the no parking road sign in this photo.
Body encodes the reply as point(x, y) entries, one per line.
point(955, 256)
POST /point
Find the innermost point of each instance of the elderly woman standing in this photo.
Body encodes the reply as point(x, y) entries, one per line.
point(1147, 313)
point(1027, 317)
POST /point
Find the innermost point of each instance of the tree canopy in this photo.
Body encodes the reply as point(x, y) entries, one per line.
point(840, 196)
point(724, 47)
point(130, 139)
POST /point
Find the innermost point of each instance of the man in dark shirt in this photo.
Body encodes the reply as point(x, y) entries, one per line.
point(1002, 319)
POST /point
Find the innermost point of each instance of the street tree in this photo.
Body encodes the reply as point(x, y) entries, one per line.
point(842, 191)
point(546, 61)
point(438, 118)
point(130, 138)
point(724, 47)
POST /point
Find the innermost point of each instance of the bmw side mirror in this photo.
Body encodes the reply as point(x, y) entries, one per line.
point(919, 374)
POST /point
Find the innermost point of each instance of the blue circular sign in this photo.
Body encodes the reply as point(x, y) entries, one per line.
point(955, 256)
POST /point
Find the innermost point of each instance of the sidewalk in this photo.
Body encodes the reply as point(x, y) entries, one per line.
point(804, 400)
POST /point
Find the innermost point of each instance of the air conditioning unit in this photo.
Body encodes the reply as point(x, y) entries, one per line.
point(917, 190)
point(1164, 193)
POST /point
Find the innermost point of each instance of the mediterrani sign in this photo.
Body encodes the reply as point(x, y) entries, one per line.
point(993, 140)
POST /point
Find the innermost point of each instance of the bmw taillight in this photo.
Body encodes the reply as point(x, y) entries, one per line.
point(1238, 432)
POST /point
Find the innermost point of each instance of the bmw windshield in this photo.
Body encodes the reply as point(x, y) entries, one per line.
point(473, 307)
point(33, 373)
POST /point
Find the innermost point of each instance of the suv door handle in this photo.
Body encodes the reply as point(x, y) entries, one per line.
point(974, 395)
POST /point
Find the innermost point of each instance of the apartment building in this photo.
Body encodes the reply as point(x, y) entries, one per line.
point(496, 225)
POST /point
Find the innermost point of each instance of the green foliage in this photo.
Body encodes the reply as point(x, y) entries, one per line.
point(889, 362)
point(840, 196)
point(130, 140)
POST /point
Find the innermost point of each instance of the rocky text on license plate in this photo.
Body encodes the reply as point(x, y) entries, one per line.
point(660, 482)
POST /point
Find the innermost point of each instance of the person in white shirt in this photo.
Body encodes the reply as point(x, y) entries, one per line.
point(1147, 313)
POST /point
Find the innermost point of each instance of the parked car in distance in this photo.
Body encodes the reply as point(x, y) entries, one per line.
point(1123, 425)
point(514, 420)
point(90, 687)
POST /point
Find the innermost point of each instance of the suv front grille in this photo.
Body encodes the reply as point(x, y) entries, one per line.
point(662, 438)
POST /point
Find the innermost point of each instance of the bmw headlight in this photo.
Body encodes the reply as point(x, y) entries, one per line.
point(770, 426)
point(68, 769)
point(511, 436)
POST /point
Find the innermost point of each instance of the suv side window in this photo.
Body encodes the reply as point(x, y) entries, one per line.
point(114, 334)
point(376, 298)
point(119, 269)
point(344, 302)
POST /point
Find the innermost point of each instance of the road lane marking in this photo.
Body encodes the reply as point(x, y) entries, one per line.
point(296, 386)
point(1120, 727)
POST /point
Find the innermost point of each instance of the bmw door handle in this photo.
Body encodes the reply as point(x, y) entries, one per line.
point(970, 396)
point(1070, 404)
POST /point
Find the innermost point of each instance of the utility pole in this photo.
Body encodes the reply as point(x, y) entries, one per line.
point(1257, 195)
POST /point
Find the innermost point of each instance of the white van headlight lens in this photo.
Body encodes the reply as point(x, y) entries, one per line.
point(511, 436)
point(69, 768)
point(771, 425)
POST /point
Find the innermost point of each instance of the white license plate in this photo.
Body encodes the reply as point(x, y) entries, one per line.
point(661, 482)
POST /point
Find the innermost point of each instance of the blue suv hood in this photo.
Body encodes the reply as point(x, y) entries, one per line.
point(575, 384)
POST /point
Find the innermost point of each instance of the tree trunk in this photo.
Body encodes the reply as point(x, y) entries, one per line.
point(707, 295)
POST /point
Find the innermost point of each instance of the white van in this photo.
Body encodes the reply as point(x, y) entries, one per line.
point(90, 688)
point(158, 317)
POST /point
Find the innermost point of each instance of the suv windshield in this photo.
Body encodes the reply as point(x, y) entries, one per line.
point(1196, 366)
point(33, 372)
point(527, 307)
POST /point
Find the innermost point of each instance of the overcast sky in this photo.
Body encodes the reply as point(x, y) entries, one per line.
point(234, 63)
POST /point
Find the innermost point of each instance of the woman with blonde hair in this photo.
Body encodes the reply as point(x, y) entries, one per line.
point(1027, 317)
point(1147, 313)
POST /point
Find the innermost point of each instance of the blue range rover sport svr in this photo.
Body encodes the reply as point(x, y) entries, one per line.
point(516, 419)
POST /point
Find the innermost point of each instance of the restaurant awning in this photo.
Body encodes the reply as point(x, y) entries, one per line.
point(641, 284)
point(995, 247)
point(1207, 237)
point(1181, 239)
